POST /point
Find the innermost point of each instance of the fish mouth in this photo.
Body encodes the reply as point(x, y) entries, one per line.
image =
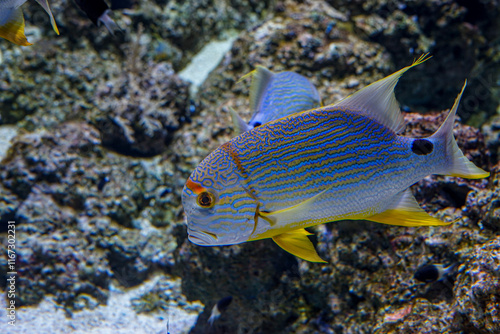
point(202, 238)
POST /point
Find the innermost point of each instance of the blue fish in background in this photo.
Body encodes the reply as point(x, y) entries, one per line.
point(276, 95)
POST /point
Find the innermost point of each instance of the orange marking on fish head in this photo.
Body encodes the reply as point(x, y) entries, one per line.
point(227, 147)
point(195, 187)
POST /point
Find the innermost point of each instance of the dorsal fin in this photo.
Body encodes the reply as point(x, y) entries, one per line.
point(261, 77)
point(378, 101)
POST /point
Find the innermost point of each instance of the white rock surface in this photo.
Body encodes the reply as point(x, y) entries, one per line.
point(115, 318)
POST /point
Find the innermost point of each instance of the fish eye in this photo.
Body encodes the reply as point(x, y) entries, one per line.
point(206, 200)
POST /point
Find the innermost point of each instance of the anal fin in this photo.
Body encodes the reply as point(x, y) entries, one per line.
point(405, 211)
point(297, 243)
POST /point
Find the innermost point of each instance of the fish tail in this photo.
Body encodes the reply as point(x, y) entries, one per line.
point(455, 163)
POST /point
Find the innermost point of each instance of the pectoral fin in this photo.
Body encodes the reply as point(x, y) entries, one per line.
point(297, 243)
point(296, 211)
point(405, 211)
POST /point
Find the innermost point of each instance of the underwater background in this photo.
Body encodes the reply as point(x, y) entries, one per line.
point(99, 132)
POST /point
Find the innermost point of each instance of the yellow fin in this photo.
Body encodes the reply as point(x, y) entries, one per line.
point(13, 29)
point(297, 243)
point(405, 211)
point(378, 101)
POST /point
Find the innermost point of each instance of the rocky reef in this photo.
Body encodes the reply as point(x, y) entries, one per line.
point(99, 134)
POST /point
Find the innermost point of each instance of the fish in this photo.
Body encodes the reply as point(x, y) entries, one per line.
point(98, 12)
point(12, 20)
point(275, 95)
point(345, 161)
point(434, 272)
point(218, 308)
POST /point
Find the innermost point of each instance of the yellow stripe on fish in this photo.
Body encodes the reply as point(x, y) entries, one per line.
point(343, 161)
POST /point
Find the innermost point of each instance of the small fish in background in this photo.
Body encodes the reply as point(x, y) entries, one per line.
point(434, 272)
point(12, 20)
point(218, 308)
point(344, 161)
point(98, 12)
point(276, 95)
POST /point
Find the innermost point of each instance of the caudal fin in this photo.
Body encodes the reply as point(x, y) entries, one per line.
point(455, 163)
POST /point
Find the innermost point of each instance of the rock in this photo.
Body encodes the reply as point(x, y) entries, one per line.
point(477, 290)
point(140, 110)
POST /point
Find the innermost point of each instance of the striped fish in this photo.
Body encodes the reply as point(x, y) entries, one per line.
point(276, 95)
point(340, 162)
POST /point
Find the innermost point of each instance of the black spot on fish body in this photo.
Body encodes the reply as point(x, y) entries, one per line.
point(256, 124)
point(427, 274)
point(422, 146)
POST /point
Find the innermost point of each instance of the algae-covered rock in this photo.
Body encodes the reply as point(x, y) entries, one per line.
point(477, 289)
point(140, 110)
point(453, 32)
point(76, 232)
point(484, 206)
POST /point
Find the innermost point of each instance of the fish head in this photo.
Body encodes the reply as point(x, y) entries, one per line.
point(219, 209)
